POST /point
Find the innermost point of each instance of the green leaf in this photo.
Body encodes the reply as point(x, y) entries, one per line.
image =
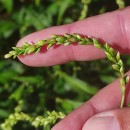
point(107, 78)
point(63, 6)
point(8, 4)
point(37, 2)
point(29, 79)
point(68, 105)
point(17, 94)
point(7, 28)
point(3, 113)
point(78, 84)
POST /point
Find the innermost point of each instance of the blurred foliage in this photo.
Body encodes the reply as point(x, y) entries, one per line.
point(61, 87)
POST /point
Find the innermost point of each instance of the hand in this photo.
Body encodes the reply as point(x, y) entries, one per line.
point(100, 112)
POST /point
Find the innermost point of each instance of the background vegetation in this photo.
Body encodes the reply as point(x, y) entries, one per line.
point(61, 87)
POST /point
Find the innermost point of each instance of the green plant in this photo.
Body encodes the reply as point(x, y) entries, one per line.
point(120, 3)
point(68, 39)
point(51, 118)
point(85, 8)
point(71, 86)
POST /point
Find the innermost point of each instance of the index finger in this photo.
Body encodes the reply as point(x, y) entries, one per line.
point(113, 28)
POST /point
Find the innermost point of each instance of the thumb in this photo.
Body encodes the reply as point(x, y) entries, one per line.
point(112, 120)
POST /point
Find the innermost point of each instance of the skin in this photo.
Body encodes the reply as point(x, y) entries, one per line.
point(113, 28)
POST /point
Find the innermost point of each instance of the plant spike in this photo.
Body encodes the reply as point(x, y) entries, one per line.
point(68, 39)
point(38, 121)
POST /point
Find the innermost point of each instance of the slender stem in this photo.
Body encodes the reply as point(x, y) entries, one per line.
point(123, 97)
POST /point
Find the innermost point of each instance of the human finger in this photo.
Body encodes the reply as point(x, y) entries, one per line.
point(118, 119)
point(113, 27)
point(108, 98)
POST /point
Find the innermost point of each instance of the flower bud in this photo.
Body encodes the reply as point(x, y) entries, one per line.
point(120, 62)
point(84, 42)
point(54, 36)
point(122, 71)
point(40, 43)
point(127, 79)
point(7, 56)
point(107, 47)
point(49, 45)
point(67, 35)
point(111, 50)
point(31, 49)
point(118, 56)
point(116, 67)
point(60, 39)
point(67, 43)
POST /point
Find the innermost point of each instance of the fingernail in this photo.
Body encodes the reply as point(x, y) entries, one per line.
point(102, 123)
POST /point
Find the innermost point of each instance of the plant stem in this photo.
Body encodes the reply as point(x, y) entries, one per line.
point(123, 97)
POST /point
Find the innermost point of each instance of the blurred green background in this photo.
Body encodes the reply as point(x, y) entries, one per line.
point(61, 87)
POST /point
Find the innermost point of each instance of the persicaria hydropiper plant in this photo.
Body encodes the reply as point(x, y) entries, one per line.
point(68, 39)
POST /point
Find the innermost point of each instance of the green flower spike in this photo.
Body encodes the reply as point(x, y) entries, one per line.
point(38, 121)
point(68, 39)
